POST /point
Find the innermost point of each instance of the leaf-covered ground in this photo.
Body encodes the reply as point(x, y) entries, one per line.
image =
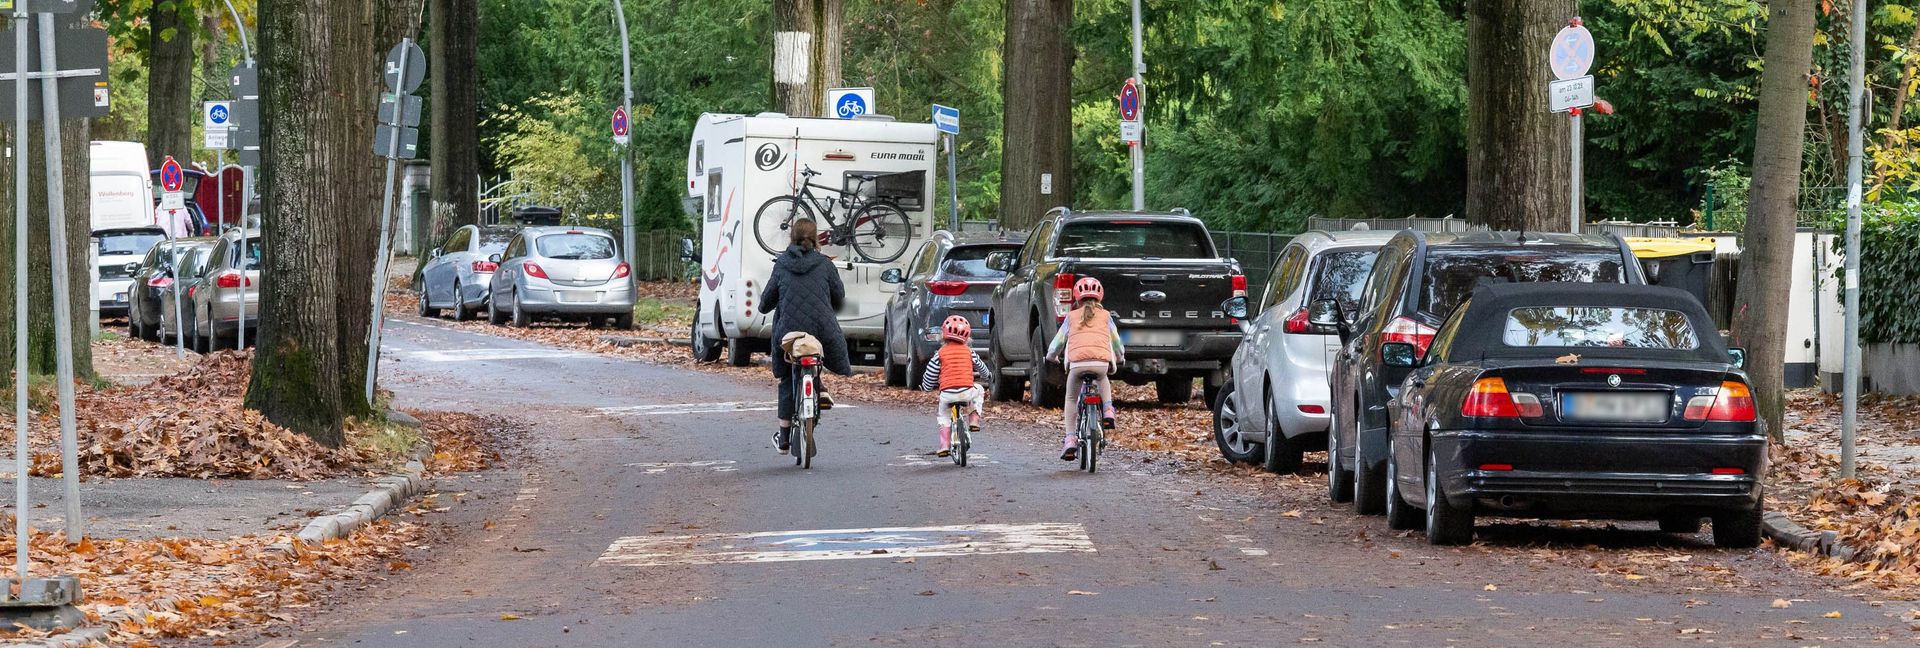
point(1878, 512)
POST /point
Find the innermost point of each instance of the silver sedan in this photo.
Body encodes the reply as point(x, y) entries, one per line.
point(571, 273)
point(457, 274)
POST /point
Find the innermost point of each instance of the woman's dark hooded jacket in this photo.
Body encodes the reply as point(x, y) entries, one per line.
point(806, 291)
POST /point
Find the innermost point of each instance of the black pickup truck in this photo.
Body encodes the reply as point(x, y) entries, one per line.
point(1164, 283)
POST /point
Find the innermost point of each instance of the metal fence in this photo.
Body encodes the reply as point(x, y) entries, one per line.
point(657, 256)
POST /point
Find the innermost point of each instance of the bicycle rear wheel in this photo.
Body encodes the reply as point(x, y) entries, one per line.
point(775, 217)
point(881, 232)
point(806, 443)
point(960, 438)
point(1090, 436)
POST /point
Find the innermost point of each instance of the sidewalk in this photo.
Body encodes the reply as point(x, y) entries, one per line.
point(195, 508)
point(1876, 517)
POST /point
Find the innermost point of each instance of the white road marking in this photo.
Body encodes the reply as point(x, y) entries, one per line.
point(916, 461)
point(715, 465)
point(696, 408)
point(495, 355)
point(847, 544)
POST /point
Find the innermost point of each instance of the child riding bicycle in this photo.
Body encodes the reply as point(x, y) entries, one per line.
point(953, 371)
point(1090, 342)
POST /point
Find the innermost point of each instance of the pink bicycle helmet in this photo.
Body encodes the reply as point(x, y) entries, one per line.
point(1088, 287)
point(957, 329)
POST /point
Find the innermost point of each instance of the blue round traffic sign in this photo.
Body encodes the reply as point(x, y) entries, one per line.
point(1130, 101)
point(217, 114)
point(851, 105)
point(170, 177)
point(620, 124)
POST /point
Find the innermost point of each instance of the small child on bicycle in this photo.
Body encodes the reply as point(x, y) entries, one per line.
point(953, 371)
point(1090, 342)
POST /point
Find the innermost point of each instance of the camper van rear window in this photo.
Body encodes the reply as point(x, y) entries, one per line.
point(906, 189)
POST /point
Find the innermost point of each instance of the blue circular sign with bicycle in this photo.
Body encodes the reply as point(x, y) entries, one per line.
point(850, 105)
point(217, 114)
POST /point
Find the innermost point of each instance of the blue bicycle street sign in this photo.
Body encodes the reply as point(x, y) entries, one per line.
point(848, 103)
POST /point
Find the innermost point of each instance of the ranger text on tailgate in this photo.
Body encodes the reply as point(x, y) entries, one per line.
point(1164, 282)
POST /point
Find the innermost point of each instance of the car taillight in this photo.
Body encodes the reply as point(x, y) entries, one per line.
point(1490, 398)
point(1239, 285)
point(534, 270)
point(231, 280)
point(1297, 323)
point(947, 288)
point(1733, 404)
point(160, 282)
point(485, 266)
point(622, 270)
point(1062, 294)
point(1408, 331)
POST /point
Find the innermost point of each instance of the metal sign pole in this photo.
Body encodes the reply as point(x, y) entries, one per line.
point(1138, 151)
point(386, 216)
point(626, 154)
point(62, 293)
point(22, 529)
point(1574, 171)
point(1850, 381)
point(953, 185)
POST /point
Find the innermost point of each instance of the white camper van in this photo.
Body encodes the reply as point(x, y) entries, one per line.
point(737, 163)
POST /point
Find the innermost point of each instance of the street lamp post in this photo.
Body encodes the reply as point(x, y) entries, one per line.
point(626, 155)
point(246, 194)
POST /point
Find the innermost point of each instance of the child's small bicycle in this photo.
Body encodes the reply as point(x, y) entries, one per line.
point(1093, 438)
point(962, 435)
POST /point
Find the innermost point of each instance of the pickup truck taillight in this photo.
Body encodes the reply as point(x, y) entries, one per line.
point(1239, 285)
point(947, 288)
point(1062, 294)
point(231, 280)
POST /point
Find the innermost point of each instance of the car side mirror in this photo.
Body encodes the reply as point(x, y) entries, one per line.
point(893, 276)
point(1325, 313)
point(687, 252)
point(493, 258)
point(1399, 354)
point(1235, 308)
point(1001, 261)
point(1739, 357)
point(435, 254)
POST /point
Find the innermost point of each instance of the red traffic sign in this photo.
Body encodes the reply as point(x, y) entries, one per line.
point(1130, 101)
point(620, 121)
point(171, 178)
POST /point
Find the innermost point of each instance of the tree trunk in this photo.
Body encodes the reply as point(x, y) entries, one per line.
point(806, 54)
point(170, 107)
point(1517, 152)
point(1036, 160)
point(1766, 253)
point(456, 116)
point(318, 235)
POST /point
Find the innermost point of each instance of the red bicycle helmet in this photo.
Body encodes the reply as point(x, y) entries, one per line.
point(957, 329)
point(1088, 287)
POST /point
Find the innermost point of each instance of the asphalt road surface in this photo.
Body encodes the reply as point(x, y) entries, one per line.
point(649, 509)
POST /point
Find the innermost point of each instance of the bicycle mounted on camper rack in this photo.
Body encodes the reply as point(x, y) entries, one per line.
point(876, 228)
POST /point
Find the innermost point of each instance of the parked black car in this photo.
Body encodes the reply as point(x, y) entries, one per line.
point(948, 275)
point(1164, 282)
point(1417, 280)
point(1562, 401)
point(154, 272)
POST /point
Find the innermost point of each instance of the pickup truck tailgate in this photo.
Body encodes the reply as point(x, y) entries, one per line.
point(1164, 294)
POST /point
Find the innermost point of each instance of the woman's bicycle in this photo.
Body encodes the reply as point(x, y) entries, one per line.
point(1092, 437)
point(876, 228)
point(806, 409)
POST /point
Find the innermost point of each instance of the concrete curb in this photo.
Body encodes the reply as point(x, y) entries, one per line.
point(76, 638)
point(388, 493)
point(633, 340)
point(1788, 533)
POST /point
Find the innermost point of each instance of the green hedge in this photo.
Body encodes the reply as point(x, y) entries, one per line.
point(1890, 273)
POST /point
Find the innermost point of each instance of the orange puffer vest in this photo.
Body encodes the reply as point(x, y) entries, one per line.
point(1088, 338)
point(956, 366)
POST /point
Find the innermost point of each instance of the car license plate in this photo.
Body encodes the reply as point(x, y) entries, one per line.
point(120, 298)
point(1625, 407)
point(579, 296)
point(1152, 338)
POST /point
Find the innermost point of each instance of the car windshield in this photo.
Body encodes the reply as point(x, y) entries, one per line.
point(1453, 273)
point(971, 263)
point(1342, 275)
point(1134, 239)
point(575, 246)
point(492, 241)
point(1612, 327)
point(129, 242)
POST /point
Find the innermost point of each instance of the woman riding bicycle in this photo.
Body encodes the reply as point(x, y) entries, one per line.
point(803, 294)
point(1090, 342)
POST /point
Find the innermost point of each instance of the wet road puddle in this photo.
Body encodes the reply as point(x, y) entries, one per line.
point(847, 544)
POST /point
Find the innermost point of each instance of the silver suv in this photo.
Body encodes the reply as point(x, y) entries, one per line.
point(1276, 403)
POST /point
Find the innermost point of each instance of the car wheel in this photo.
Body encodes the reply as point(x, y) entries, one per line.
point(1282, 454)
point(426, 310)
point(705, 349)
point(1173, 390)
point(917, 370)
point(1339, 480)
point(1210, 391)
point(1683, 524)
point(1738, 529)
point(1229, 432)
point(1446, 524)
point(1401, 516)
point(460, 311)
point(896, 373)
point(1369, 482)
point(739, 353)
point(133, 323)
point(494, 315)
point(1042, 391)
point(521, 317)
point(1001, 387)
point(623, 322)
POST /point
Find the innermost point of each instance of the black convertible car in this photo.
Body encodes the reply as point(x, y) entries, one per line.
point(1575, 401)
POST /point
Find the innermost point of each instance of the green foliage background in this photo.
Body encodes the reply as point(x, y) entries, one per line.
point(1889, 269)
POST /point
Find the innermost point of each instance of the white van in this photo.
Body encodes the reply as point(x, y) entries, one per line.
point(122, 187)
point(737, 163)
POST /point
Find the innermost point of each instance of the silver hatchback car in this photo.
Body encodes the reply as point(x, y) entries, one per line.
point(1276, 405)
point(572, 273)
